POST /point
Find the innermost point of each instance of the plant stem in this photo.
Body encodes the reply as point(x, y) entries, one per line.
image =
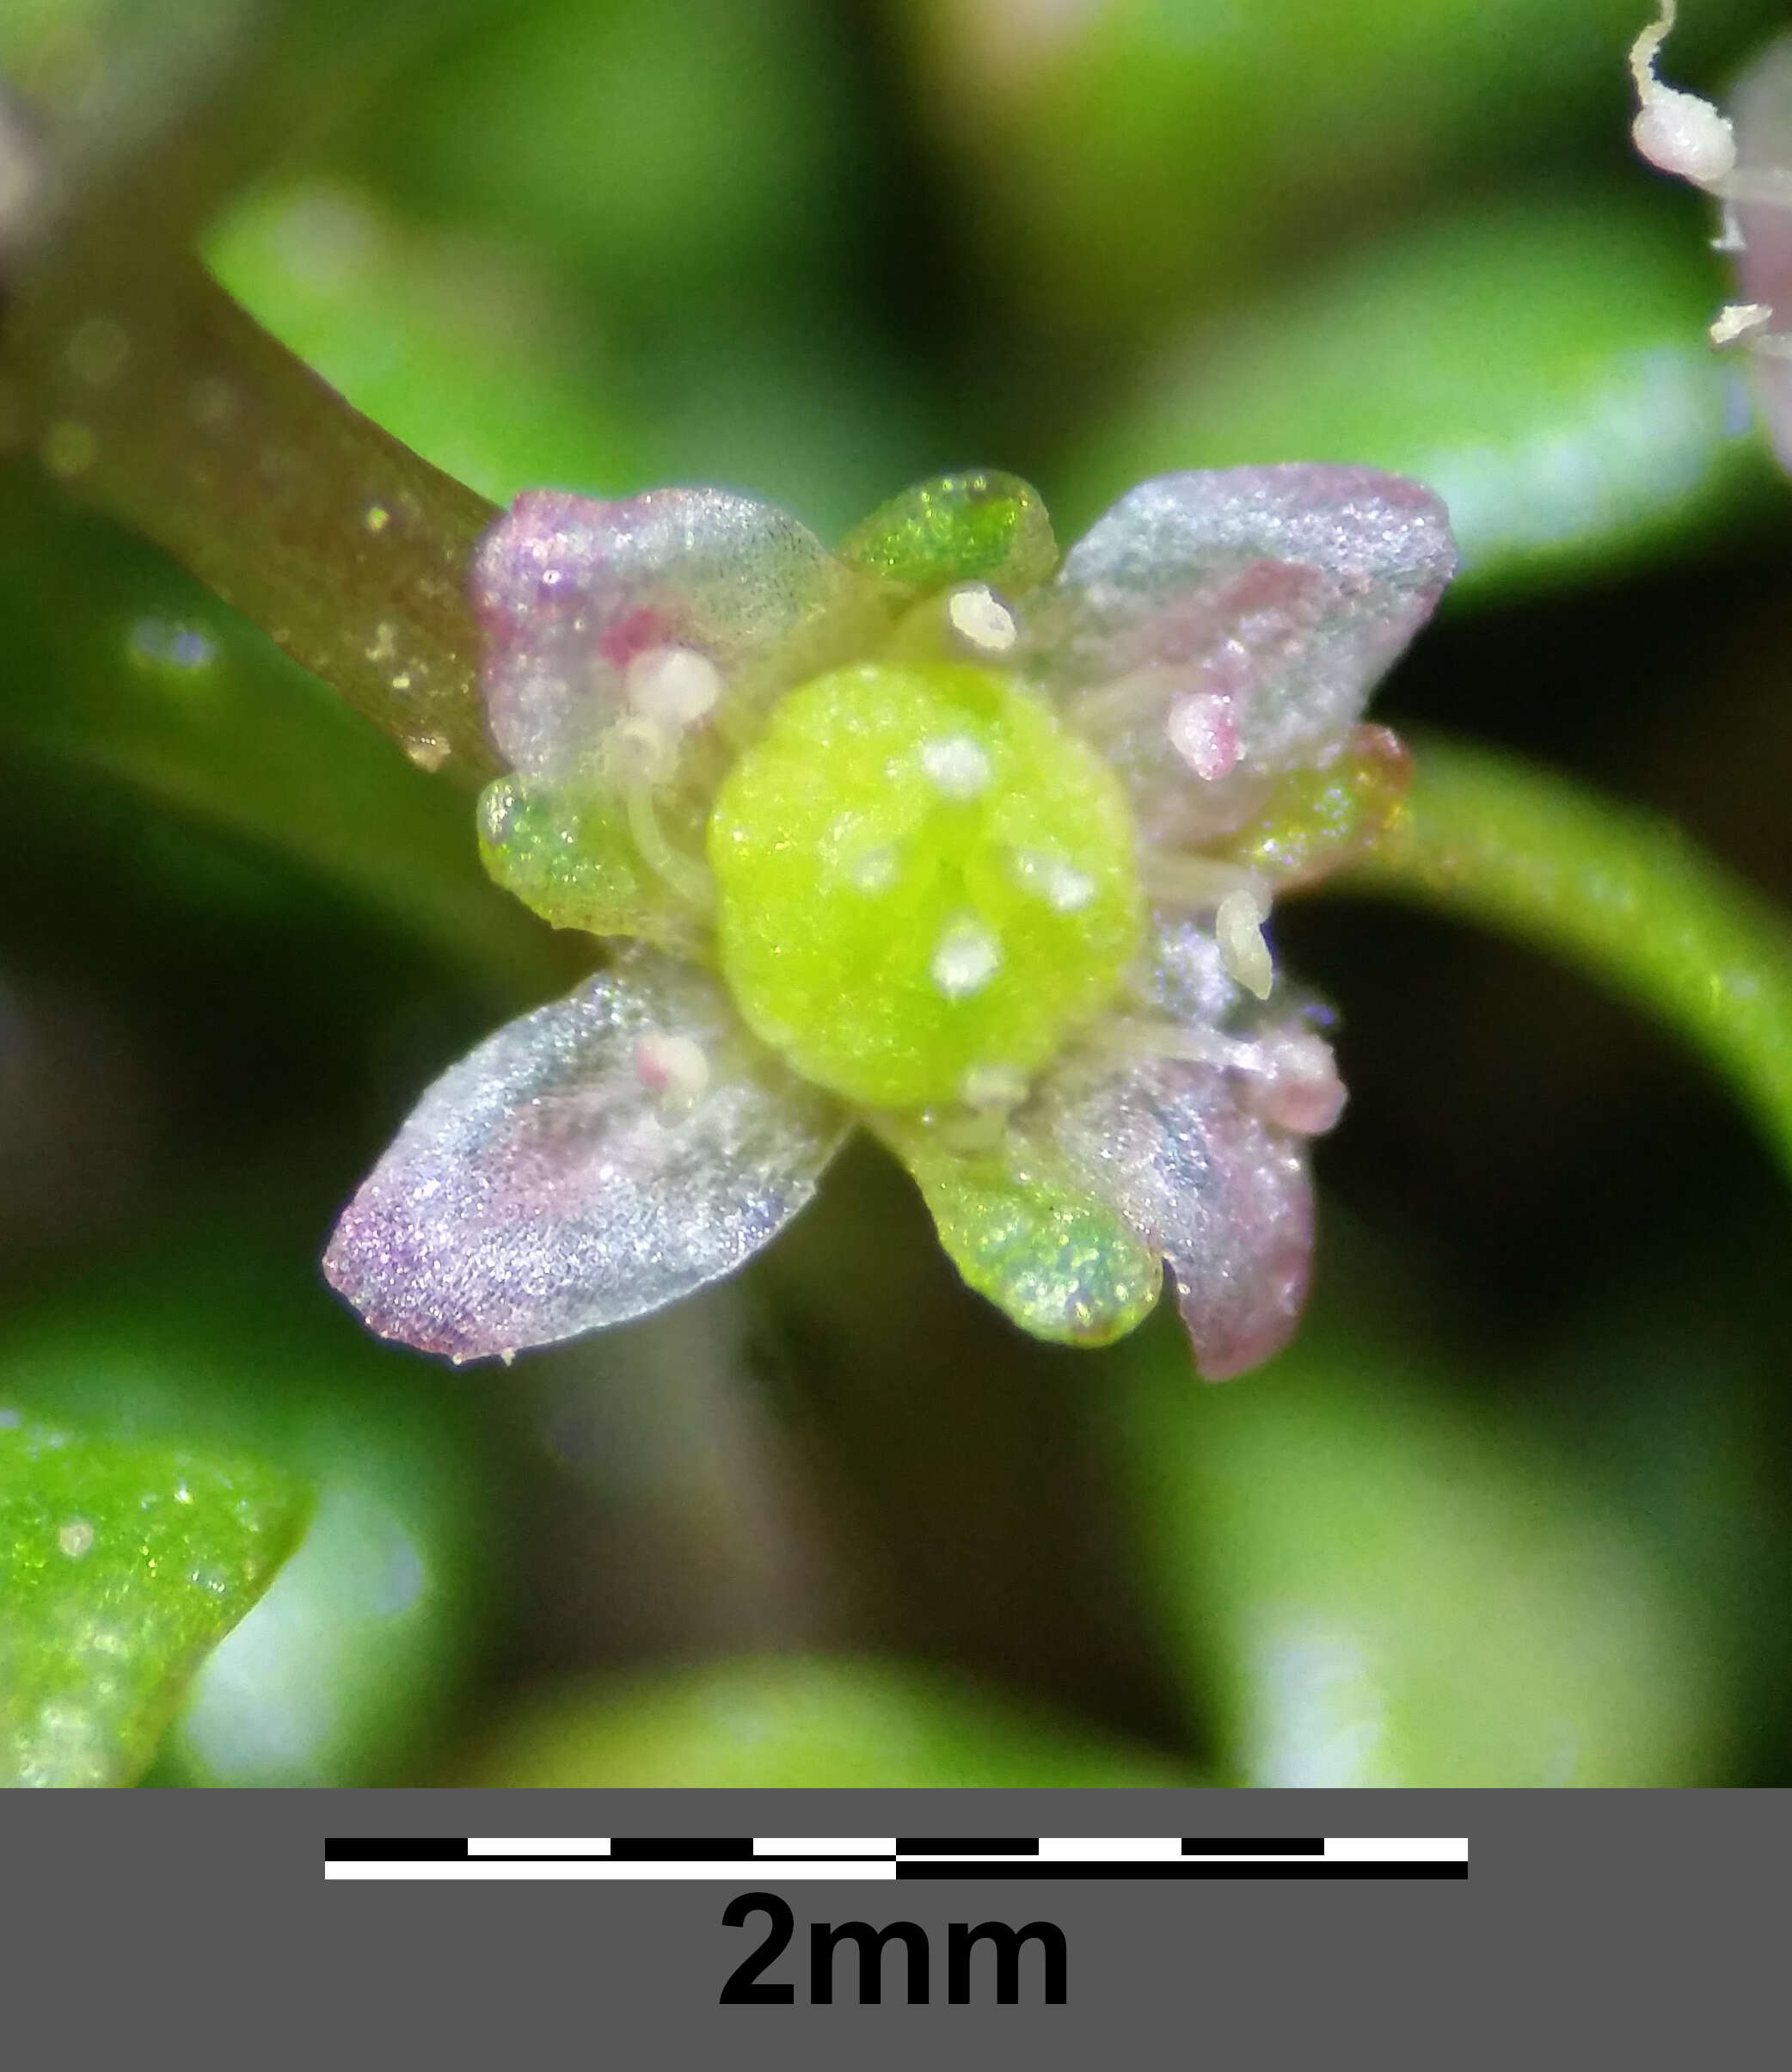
point(1621, 894)
point(148, 395)
point(151, 396)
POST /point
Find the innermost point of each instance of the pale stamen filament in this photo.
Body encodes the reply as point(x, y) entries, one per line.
point(690, 880)
point(1173, 878)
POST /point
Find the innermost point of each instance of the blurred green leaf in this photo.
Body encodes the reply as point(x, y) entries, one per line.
point(1131, 157)
point(1373, 1581)
point(803, 1723)
point(648, 146)
point(122, 1564)
point(118, 662)
point(356, 1659)
point(1544, 368)
point(451, 342)
point(1620, 894)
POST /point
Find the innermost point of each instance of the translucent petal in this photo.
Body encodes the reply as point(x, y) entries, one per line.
point(570, 591)
point(1189, 1007)
point(1054, 1257)
point(592, 1161)
point(1222, 1195)
point(1214, 629)
point(982, 528)
point(1762, 106)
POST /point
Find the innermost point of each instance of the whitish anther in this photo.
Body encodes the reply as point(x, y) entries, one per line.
point(1738, 320)
point(1238, 928)
point(1677, 131)
point(966, 958)
point(673, 686)
point(957, 766)
point(981, 619)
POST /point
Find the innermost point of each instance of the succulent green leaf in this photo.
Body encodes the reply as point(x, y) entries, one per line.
point(220, 1342)
point(1544, 369)
point(1049, 1254)
point(121, 1565)
point(982, 528)
point(1375, 1580)
point(802, 1723)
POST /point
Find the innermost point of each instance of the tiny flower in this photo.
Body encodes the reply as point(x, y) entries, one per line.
point(935, 836)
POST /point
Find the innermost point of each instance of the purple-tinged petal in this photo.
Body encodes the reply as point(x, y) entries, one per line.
point(592, 1161)
point(1214, 630)
point(1222, 1195)
point(697, 589)
point(1762, 108)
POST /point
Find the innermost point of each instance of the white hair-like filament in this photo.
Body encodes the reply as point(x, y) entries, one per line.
point(1677, 131)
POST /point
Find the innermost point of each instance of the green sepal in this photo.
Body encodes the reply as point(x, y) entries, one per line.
point(1049, 1255)
point(573, 858)
point(121, 1565)
point(978, 527)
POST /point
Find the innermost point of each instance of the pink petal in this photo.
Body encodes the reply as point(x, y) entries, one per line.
point(1762, 111)
point(1274, 598)
point(570, 591)
point(1224, 1196)
point(592, 1161)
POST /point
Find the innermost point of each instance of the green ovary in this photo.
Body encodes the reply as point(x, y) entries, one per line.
point(925, 884)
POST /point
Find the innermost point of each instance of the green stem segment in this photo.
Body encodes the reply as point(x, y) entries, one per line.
point(150, 395)
point(1619, 893)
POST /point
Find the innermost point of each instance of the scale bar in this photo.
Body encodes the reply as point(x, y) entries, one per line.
point(887, 1858)
point(1190, 1869)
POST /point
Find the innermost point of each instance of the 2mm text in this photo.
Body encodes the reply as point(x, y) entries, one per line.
point(1002, 1945)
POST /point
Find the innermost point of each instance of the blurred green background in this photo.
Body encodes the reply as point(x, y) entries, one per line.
point(1514, 1508)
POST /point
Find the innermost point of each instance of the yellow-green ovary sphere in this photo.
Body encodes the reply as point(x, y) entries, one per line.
point(926, 883)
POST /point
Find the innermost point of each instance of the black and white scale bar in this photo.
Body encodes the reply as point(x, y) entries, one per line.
point(891, 1857)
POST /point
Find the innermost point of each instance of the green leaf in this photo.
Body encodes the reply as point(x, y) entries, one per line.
point(355, 1663)
point(452, 344)
point(1374, 1580)
point(1618, 893)
point(799, 1723)
point(122, 1564)
point(658, 148)
point(1134, 156)
point(1543, 366)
